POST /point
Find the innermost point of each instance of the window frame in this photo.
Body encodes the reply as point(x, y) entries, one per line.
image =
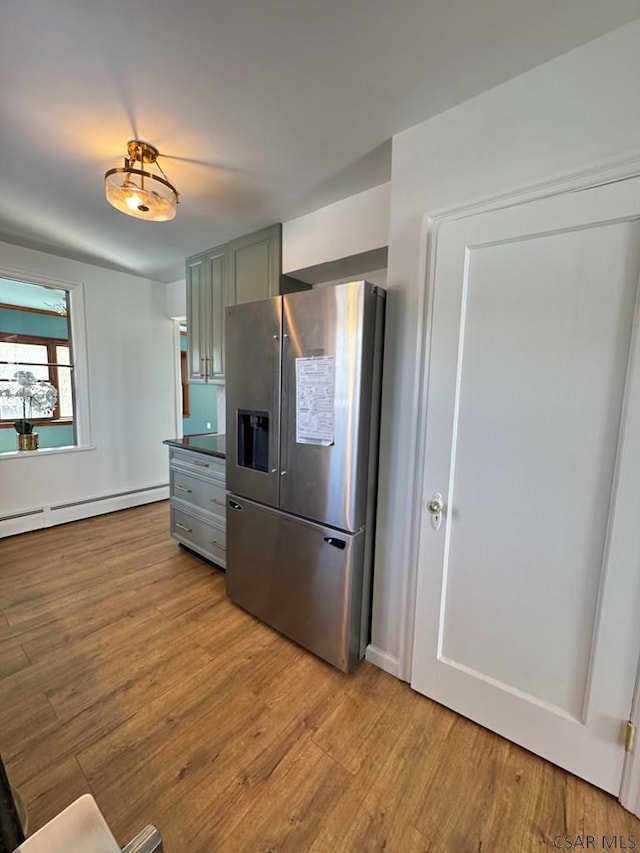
point(77, 340)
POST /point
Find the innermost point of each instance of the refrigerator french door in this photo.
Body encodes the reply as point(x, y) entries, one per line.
point(303, 405)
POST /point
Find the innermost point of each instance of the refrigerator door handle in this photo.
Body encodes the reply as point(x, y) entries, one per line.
point(337, 543)
point(234, 505)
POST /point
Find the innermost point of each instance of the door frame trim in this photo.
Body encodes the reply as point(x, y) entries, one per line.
point(177, 375)
point(630, 784)
point(598, 174)
point(629, 794)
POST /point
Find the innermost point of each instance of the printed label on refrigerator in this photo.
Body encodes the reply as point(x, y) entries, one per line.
point(315, 392)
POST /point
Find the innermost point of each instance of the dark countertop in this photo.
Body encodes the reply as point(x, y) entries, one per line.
point(212, 443)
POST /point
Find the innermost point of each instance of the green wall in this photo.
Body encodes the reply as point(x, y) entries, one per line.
point(31, 323)
point(50, 436)
point(202, 405)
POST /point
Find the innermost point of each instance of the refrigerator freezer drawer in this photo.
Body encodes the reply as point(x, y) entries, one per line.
point(303, 579)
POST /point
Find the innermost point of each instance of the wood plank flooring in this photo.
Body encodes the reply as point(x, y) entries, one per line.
point(125, 672)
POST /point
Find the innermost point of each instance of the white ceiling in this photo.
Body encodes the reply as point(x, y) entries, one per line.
point(262, 109)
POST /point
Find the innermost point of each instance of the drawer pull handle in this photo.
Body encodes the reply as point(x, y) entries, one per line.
point(216, 501)
point(183, 527)
point(201, 464)
point(182, 489)
point(218, 544)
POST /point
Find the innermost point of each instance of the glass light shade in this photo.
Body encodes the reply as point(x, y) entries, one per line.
point(142, 194)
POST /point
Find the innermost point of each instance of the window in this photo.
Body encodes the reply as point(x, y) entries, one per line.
point(35, 345)
point(49, 361)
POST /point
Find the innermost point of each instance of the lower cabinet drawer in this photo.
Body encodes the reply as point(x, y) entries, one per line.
point(207, 539)
point(198, 462)
point(205, 494)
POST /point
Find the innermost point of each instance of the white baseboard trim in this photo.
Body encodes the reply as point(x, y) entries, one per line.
point(383, 660)
point(37, 518)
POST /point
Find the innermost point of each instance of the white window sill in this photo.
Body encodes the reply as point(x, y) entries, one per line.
point(43, 451)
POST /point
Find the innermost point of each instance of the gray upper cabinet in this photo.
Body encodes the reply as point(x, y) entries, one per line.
point(243, 270)
point(207, 283)
point(254, 265)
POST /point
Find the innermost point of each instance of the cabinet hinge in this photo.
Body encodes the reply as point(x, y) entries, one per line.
point(629, 736)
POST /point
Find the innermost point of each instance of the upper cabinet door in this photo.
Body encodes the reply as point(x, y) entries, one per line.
point(207, 283)
point(197, 332)
point(243, 270)
point(216, 260)
point(254, 265)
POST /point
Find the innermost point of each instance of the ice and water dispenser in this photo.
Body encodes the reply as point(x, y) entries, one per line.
point(253, 439)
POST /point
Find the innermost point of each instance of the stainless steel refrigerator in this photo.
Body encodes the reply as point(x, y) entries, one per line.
point(303, 377)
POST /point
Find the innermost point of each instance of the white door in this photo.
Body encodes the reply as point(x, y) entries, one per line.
point(528, 597)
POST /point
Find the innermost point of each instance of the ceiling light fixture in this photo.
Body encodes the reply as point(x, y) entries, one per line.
point(138, 192)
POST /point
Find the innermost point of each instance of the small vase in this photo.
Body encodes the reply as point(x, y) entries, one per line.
point(28, 441)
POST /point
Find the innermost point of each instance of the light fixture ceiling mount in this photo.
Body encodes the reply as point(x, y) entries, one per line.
point(137, 191)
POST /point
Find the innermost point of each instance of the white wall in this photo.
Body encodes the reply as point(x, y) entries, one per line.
point(177, 298)
point(349, 227)
point(569, 114)
point(132, 405)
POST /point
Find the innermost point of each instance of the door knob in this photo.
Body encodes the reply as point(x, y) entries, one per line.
point(436, 507)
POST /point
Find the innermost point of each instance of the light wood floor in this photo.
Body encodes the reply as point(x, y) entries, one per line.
point(124, 671)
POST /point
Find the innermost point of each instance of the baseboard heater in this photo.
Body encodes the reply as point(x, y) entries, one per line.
point(48, 516)
point(39, 511)
point(58, 507)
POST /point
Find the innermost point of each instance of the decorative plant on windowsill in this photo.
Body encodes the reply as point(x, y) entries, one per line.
point(38, 397)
